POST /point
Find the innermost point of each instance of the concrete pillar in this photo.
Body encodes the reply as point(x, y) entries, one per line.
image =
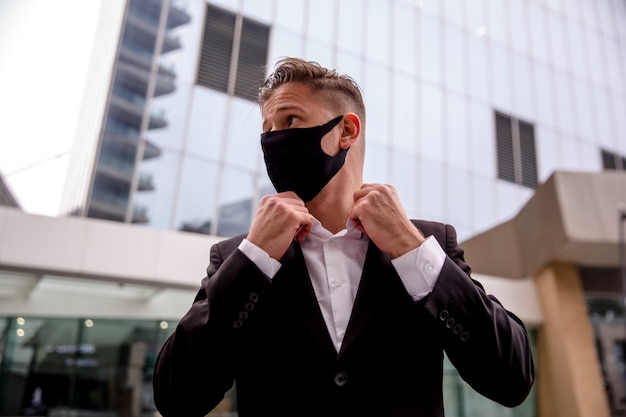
point(569, 378)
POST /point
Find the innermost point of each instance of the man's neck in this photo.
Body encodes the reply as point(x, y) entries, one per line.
point(332, 206)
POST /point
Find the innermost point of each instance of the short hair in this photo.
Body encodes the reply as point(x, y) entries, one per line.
point(335, 88)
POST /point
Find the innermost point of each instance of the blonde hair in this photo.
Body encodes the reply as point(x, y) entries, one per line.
point(338, 90)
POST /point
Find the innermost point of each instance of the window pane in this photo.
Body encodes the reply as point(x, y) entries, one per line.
point(457, 131)
point(431, 123)
point(216, 49)
point(430, 47)
point(252, 59)
point(454, 58)
point(528, 154)
point(504, 146)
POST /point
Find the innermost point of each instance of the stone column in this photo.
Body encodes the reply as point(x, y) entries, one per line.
point(568, 369)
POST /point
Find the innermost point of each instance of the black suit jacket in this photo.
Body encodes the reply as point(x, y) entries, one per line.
point(271, 339)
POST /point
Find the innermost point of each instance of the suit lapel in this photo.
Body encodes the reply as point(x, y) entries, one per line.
point(294, 277)
point(376, 276)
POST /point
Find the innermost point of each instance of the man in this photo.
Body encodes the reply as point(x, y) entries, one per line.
point(335, 304)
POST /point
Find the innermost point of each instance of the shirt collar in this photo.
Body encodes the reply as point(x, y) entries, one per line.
point(350, 232)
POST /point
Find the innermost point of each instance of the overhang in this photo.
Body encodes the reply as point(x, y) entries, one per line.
point(573, 217)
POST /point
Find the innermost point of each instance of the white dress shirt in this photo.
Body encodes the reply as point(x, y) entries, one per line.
point(335, 264)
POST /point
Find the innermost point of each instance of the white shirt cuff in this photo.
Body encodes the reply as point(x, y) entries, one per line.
point(419, 268)
point(268, 265)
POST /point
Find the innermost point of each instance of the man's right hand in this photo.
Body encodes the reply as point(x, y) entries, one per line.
point(279, 220)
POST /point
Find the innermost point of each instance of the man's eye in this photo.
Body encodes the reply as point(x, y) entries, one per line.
point(291, 120)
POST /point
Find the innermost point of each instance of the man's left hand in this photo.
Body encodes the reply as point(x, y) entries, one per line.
point(378, 213)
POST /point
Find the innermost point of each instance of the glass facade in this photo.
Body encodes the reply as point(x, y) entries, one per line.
point(78, 366)
point(434, 75)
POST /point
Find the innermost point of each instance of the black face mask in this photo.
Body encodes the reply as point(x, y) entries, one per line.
point(296, 162)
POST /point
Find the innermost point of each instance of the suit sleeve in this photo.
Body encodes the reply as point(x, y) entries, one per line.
point(487, 344)
point(197, 364)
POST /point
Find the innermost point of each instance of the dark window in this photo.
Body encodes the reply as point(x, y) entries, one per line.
point(613, 161)
point(515, 144)
point(233, 54)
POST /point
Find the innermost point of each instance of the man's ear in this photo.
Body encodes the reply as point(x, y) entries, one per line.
point(350, 130)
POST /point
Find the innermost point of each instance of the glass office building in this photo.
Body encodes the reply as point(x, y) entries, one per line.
point(471, 105)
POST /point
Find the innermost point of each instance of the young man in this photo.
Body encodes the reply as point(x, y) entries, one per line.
point(335, 303)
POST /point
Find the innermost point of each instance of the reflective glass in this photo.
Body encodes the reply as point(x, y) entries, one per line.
point(321, 20)
point(476, 15)
point(376, 162)
point(431, 123)
point(454, 58)
point(404, 174)
point(237, 202)
point(557, 39)
point(197, 196)
point(432, 189)
point(605, 18)
point(165, 174)
point(350, 36)
point(539, 48)
point(596, 58)
point(619, 116)
point(500, 78)
point(376, 95)
point(477, 68)
point(457, 132)
point(548, 152)
point(482, 140)
point(522, 87)
point(284, 43)
point(614, 66)
point(498, 30)
point(565, 102)
point(404, 38)
point(589, 157)
point(242, 147)
point(174, 108)
point(578, 51)
point(260, 10)
point(405, 117)
point(433, 7)
point(430, 47)
point(453, 10)
point(619, 9)
point(482, 202)
point(377, 41)
point(518, 16)
point(570, 153)
point(585, 114)
point(457, 198)
point(207, 123)
point(543, 93)
point(507, 201)
point(291, 14)
point(319, 52)
point(603, 109)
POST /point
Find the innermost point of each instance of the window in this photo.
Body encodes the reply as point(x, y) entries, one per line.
point(233, 54)
point(613, 161)
point(515, 142)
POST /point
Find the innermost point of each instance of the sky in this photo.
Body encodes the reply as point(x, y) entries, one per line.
point(45, 50)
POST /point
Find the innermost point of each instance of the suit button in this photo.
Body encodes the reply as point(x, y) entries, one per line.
point(248, 306)
point(237, 324)
point(341, 378)
point(443, 315)
point(450, 323)
point(243, 315)
point(254, 297)
point(465, 337)
point(457, 329)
